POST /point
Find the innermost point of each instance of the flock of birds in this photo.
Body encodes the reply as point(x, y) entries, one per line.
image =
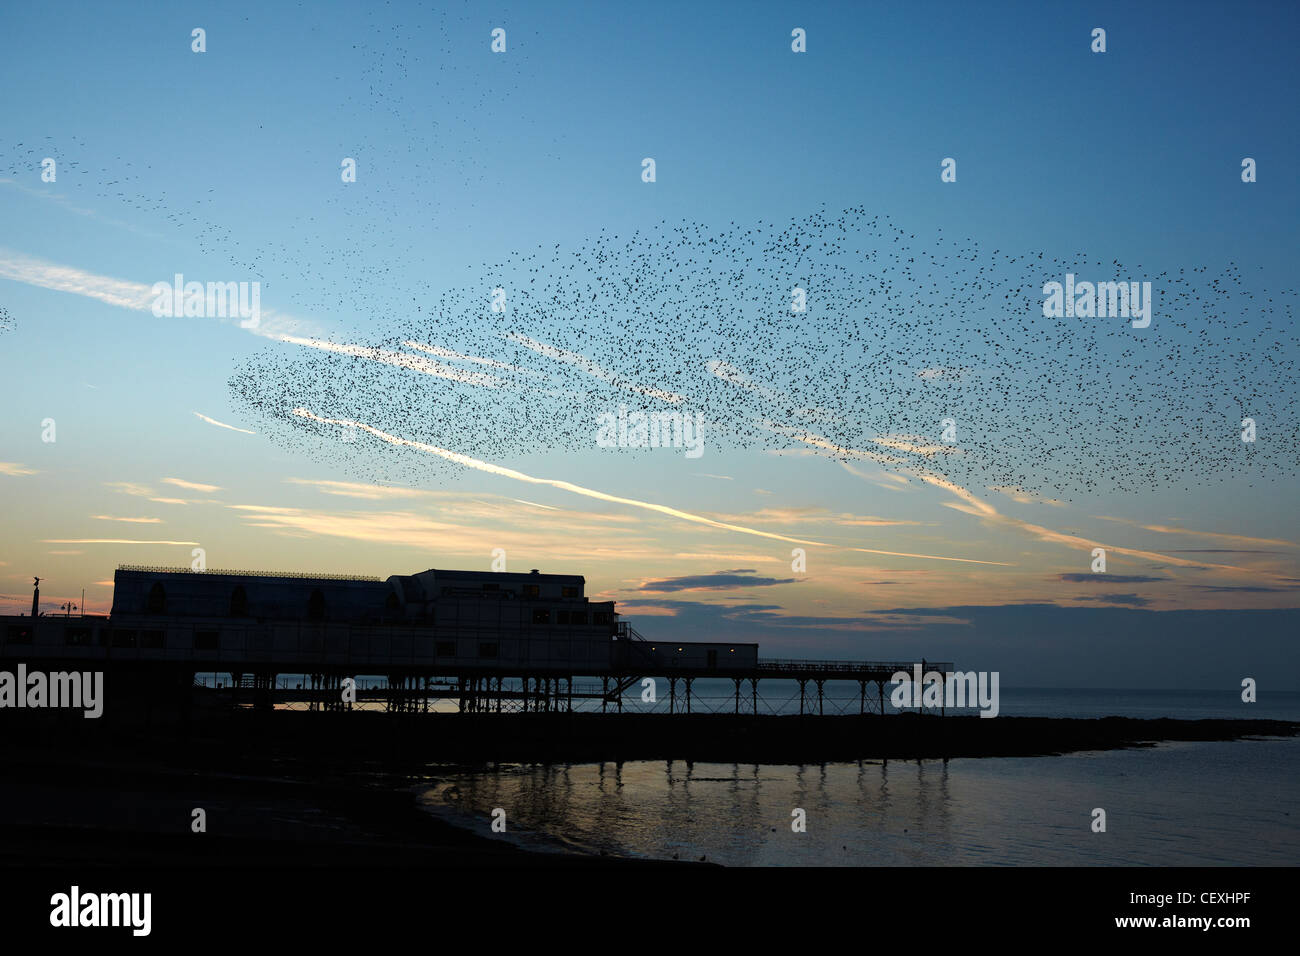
point(925, 353)
point(899, 333)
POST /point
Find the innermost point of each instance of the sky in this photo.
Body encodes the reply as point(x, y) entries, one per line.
point(478, 170)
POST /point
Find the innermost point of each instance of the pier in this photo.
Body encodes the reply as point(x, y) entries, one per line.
point(432, 643)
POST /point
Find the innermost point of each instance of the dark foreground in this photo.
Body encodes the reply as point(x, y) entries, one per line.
point(334, 789)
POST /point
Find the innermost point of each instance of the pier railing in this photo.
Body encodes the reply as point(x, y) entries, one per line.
point(788, 665)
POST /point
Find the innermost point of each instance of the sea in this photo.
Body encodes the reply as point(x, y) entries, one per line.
point(1172, 804)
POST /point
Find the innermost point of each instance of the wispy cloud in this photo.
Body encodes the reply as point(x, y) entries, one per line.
point(986, 512)
point(811, 515)
point(457, 532)
point(915, 445)
point(738, 377)
point(129, 520)
point(899, 481)
point(725, 556)
point(213, 421)
point(718, 581)
point(1235, 589)
point(534, 504)
point(352, 489)
point(16, 470)
point(1125, 600)
point(124, 293)
point(447, 353)
point(585, 364)
point(130, 488)
point(62, 201)
point(192, 485)
point(1025, 497)
point(414, 363)
point(1108, 579)
point(478, 465)
point(110, 541)
point(1218, 536)
point(49, 275)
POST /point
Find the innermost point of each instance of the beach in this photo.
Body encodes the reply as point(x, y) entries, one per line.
point(286, 788)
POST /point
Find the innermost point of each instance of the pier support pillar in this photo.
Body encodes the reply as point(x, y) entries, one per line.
point(821, 710)
point(672, 695)
point(737, 681)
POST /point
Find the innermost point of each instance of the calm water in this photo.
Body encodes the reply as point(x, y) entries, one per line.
point(1174, 804)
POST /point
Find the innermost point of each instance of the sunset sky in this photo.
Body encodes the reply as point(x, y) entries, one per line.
point(175, 162)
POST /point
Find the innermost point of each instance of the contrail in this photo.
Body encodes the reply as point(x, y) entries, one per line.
point(109, 541)
point(492, 469)
point(213, 421)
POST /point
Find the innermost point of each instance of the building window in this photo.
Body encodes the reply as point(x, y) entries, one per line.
point(205, 640)
point(532, 590)
point(123, 638)
point(19, 634)
point(77, 637)
point(491, 586)
point(561, 617)
point(316, 606)
point(157, 603)
point(153, 640)
point(487, 649)
point(446, 649)
point(239, 602)
point(569, 592)
point(541, 615)
point(602, 617)
point(578, 617)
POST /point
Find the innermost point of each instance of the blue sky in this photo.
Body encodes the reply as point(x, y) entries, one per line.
point(224, 166)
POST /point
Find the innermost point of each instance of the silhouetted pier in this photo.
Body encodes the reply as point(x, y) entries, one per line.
point(433, 642)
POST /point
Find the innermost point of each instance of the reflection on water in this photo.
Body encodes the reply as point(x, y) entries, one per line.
point(1188, 804)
